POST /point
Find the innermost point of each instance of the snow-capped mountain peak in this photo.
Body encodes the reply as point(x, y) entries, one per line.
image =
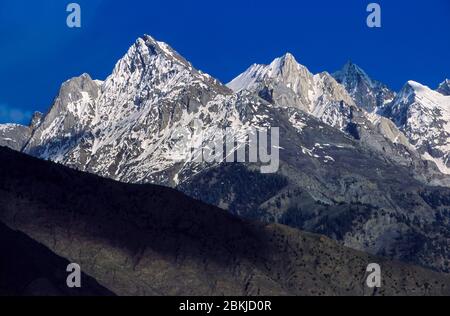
point(36, 120)
point(132, 117)
point(429, 98)
point(289, 84)
point(284, 68)
point(367, 93)
point(424, 116)
point(71, 114)
point(248, 79)
point(444, 87)
point(416, 86)
point(139, 126)
point(418, 99)
point(283, 64)
point(126, 126)
point(351, 73)
point(147, 45)
point(150, 59)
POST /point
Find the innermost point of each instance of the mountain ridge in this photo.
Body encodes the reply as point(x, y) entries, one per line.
point(444, 87)
point(368, 94)
point(338, 163)
point(424, 116)
point(151, 240)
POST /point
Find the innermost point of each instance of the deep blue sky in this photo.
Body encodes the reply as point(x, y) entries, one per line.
point(38, 51)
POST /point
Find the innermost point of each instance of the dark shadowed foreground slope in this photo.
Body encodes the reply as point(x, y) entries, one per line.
point(150, 240)
point(29, 268)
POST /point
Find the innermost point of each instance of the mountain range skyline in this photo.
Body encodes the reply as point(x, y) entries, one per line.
point(409, 46)
point(215, 151)
point(290, 84)
point(360, 164)
point(17, 116)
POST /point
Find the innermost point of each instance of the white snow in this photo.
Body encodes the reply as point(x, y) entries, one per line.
point(427, 121)
point(439, 163)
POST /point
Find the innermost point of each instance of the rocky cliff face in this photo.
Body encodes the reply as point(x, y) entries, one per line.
point(286, 83)
point(444, 87)
point(69, 118)
point(14, 136)
point(424, 116)
point(367, 93)
point(126, 127)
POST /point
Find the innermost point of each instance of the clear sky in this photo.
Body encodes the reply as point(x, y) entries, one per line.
point(38, 51)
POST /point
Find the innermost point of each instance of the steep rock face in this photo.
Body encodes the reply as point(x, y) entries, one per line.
point(70, 117)
point(127, 128)
point(367, 93)
point(424, 116)
point(151, 93)
point(418, 112)
point(36, 120)
point(288, 84)
point(333, 184)
point(14, 136)
point(150, 240)
point(444, 87)
point(284, 82)
point(140, 125)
